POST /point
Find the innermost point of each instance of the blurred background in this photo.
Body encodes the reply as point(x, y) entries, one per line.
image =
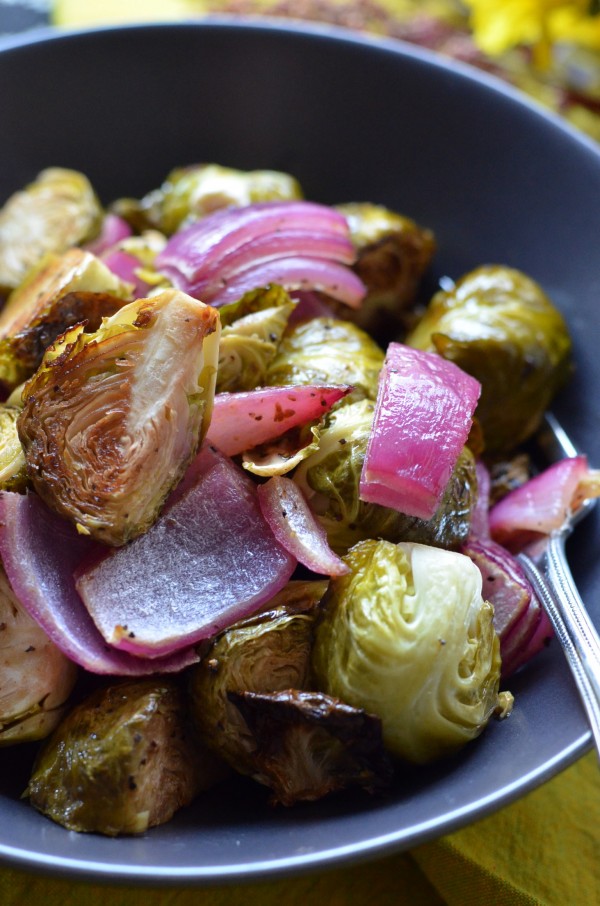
point(548, 48)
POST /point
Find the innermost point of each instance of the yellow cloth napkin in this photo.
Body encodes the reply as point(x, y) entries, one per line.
point(543, 850)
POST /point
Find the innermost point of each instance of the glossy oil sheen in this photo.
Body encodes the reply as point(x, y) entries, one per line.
point(354, 119)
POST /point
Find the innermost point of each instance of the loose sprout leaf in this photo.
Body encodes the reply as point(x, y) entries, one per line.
point(250, 343)
point(111, 420)
point(36, 306)
point(13, 470)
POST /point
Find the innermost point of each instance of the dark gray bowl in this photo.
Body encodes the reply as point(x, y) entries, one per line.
point(353, 119)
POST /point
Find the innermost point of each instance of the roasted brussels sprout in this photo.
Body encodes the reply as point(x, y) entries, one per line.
point(309, 745)
point(498, 325)
point(189, 193)
point(268, 652)
point(111, 419)
point(249, 342)
point(36, 678)
point(330, 480)
point(56, 211)
point(328, 351)
point(123, 760)
point(13, 469)
point(407, 635)
point(393, 252)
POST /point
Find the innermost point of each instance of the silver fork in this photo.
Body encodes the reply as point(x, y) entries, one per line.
point(549, 573)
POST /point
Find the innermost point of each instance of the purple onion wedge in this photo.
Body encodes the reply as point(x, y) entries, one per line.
point(422, 419)
point(40, 551)
point(209, 560)
point(519, 619)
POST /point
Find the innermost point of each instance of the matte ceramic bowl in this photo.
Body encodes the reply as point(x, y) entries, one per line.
point(354, 119)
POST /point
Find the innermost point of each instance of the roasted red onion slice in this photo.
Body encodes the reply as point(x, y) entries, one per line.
point(264, 249)
point(209, 560)
point(241, 421)
point(292, 522)
point(543, 503)
point(423, 416)
point(519, 618)
point(297, 274)
point(126, 266)
point(40, 551)
point(113, 230)
point(300, 245)
point(190, 250)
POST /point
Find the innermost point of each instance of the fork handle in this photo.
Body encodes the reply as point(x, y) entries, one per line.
point(556, 589)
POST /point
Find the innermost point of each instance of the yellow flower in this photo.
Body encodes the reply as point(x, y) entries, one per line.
point(499, 25)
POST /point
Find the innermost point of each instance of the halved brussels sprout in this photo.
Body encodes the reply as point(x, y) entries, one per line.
point(13, 468)
point(498, 325)
point(189, 193)
point(407, 635)
point(309, 745)
point(36, 679)
point(330, 481)
point(267, 652)
point(56, 211)
point(123, 760)
point(252, 331)
point(393, 252)
point(328, 351)
point(111, 420)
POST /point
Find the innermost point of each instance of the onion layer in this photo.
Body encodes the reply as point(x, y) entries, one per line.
point(292, 522)
point(40, 551)
point(423, 415)
point(300, 245)
point(208, 560)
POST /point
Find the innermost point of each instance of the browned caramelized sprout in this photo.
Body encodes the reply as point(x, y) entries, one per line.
point(55, 212)
point(267, 652)
point(123, 760)
point(61, 291)
point(111, 419)
point(36, 679)
point(392, 254)
point(308, 745)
